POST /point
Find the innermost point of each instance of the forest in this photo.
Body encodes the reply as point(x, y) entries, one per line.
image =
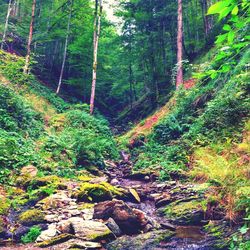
point(124, 124)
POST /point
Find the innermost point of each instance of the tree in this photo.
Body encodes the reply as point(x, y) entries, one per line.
point(97, 30)
point(6, 23)
point(179, 77)
point(65, 48)
point(27, 60)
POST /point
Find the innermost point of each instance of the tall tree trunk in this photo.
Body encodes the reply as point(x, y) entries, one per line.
point(65, 49)
point(27, 60)
point(6, 24)
point(179, 77)
point(97, 30)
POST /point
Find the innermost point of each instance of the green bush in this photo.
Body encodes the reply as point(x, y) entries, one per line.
point(17, 116)
point(32, 235)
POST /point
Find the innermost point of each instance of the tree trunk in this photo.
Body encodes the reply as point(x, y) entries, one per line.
point(6, 24)
point(27, 60)
point(97, 30)
point(179, 77)
point(65, 49)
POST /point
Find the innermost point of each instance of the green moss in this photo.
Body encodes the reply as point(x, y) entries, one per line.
point(4, 206)
point(104, 235)
point(31, 217)
point(165, 236)
point(97, 192)
point(186, 212)
point(55, 240)
point(214, 230)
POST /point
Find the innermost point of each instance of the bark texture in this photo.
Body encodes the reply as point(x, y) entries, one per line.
point(65, 49)
point(97, 30)
point(27, 60)
point(179, 77)
point(6, 24)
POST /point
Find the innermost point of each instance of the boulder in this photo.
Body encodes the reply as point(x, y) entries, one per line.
point(97, 192)
point(90, 229)
point(31, 217)
point(147, 241)
point(111, 224)
point(55, 240)
point(186, 212)
point(48, 234)
point(128, 219)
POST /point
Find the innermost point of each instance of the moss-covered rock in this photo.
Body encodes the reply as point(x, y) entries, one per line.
point(55, 240)
point(97, 192)
point(151, 240)
point(186, 212)
point(31, 217)
point(4, 206)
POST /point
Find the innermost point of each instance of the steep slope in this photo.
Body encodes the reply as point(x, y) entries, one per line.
point(202, 136)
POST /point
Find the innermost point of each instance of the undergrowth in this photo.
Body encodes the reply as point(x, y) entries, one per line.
point(39, 128)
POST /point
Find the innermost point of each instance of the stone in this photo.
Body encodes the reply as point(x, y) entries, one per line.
point(186, 212)
point(31, 217)
point(114, 182)
point(147, 241)
point(29, 170)
point(65, 227)
point(90, 229)
point(51, 218)
point(111, 224)
point(135, 194)
point(99, 180)
point(163, 200)
point(86, 245)
point(88, 214)
point(78, 244)
point(128, 219)
point(48, 234)
point(55, 240)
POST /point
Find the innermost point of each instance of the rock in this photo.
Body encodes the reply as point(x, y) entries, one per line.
point(55, 240)
point(128, 219)
point(111, 224)
point(31, 217)
point(29, 170)
point(85, 245)
point(186, 212)
point(97, 192)
point(78, 244)
point(135, 195)
point(163, 200)
point(56, 201)
point(148, 241)
point(114, 182)
point(88, 213)
point(65, 227)
point(99, 180)
point(90, 229)
point(48, 234)
point(19, 232)
point(51, 218)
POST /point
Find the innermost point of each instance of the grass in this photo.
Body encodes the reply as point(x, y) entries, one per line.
point(226, 167)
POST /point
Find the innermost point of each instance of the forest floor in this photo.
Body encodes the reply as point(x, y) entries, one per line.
point(128, 211)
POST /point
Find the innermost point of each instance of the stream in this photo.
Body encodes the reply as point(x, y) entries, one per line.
point(147, 196)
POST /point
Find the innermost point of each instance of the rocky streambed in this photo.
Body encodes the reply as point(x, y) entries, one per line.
point(117, 210)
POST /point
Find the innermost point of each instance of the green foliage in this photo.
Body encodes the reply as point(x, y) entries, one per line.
point(32, 235)
point(84, 140)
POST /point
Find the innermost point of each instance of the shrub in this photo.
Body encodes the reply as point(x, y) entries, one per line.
point(32, 235)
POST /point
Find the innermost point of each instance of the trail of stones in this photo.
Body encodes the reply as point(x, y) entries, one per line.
point(138, 220)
